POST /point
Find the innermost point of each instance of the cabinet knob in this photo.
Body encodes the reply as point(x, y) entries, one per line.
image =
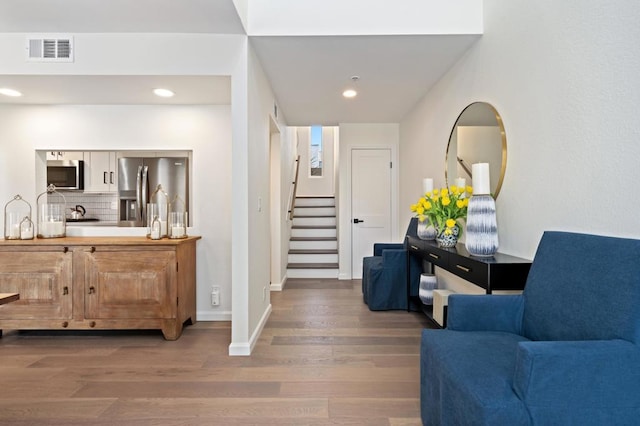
point(65, 290)
point(93, 249)
point(92, 324)
point(65, 324)
point(65, 249)
point(92, 290)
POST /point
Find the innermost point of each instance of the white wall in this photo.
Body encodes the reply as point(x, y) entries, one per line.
point(204, 129)
point(565, 76)
point(293, 17)
point(251, 239)
point(380, 135)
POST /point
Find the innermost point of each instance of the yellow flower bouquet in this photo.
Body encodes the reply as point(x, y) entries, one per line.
point(444, 208)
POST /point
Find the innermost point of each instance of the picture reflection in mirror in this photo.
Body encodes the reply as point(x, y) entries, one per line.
point(477, 137)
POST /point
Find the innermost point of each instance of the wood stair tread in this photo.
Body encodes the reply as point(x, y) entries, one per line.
point(314, 239)
point(313, 227)
point(313, 251)
point(312, 266)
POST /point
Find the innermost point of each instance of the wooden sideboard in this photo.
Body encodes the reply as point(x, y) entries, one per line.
point(99, 283)
point(499, 272)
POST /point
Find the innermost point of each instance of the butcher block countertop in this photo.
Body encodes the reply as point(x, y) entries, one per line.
point(90, 241)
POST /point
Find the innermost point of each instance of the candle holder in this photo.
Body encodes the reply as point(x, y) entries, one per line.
point(26, 229)
point(158, 208)
point(14, 212)
point(51, 214)
point(178, 219)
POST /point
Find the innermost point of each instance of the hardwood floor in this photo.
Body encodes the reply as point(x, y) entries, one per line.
point(322, 359)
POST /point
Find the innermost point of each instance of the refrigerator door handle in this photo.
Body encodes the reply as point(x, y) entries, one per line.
point(139, 194)
point(145, 187)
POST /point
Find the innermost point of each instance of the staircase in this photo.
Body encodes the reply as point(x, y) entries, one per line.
point(313, 247)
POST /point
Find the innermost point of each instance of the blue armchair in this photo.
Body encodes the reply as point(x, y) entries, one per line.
point(384, 275)
point(564, 352)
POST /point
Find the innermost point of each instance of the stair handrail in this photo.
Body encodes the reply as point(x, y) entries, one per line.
point(292, 192)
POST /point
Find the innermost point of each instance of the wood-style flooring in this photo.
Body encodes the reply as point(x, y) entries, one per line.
point(323, 359)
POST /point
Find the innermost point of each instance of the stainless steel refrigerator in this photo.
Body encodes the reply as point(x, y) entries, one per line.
point(138, 178)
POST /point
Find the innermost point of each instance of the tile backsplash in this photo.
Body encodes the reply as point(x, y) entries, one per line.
point(96, 205)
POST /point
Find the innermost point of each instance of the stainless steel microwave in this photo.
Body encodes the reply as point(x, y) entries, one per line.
point(66, 174)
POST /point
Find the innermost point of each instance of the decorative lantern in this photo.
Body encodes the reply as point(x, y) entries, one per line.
point(158, 208)
point(51, 214)
point(26, 229)
point(14, 213)
point(178, 218)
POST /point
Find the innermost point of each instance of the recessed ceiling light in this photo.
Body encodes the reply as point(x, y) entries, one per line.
point(349, 93)
point(164, 93)
point(10, 92)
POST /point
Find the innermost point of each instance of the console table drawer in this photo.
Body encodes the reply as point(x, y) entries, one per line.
point(437, 257)
point(470, 270)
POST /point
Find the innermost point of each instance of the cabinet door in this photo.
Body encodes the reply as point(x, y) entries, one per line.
point(101, 172)
point(129, 284)
point(44, 281)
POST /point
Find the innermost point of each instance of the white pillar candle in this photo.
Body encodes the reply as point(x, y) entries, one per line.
point(26, 233)
point(481, 181)
point(177, 231)
point(461, 183)
point(14, 231)
point(427, 185)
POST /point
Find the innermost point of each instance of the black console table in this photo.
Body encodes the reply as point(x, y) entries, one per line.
point(499, 272)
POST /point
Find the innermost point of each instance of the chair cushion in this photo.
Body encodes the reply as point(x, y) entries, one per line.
point(467, 378)
point(583, 287)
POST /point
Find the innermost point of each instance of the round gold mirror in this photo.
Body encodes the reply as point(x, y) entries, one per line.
point(477, 137)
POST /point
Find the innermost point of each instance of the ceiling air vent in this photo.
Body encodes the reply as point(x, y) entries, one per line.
point(50, 49)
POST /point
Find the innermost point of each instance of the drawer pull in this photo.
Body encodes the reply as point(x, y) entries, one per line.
point(65, 324)
point(93, 249)
point(92, 324)
point(464, 268)
point(414, 248)
point(65, 249)
point(92, 290)
point(65, 290)
point(435, 256)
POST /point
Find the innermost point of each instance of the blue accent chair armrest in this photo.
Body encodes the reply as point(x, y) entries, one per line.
point(485, 312)
point(581, 382)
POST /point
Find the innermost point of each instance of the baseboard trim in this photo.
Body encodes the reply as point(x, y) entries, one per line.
point(213, 316)
point(278, 286)
point(245, 349)
point(343, 276)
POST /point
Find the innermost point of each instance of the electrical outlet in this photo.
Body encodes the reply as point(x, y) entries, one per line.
point(215, 296)
point(264, 293)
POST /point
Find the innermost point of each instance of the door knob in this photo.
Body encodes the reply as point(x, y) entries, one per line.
point(357, 221)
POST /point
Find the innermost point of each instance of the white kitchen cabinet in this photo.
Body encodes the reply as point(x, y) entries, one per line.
point(65, 155)
point(101, 172)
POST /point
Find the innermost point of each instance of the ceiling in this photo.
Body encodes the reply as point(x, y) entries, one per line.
point(308, 73)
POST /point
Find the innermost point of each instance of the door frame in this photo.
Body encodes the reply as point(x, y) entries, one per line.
point(345, 217)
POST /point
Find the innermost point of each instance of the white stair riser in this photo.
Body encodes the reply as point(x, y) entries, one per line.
point(315, 202)
point(312, 273)
point(313, 232)
point(311, 245)
point(315, 211)
point(314, 221)
point(312, 258)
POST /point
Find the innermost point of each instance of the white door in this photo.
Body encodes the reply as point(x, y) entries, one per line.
point(370, 203)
